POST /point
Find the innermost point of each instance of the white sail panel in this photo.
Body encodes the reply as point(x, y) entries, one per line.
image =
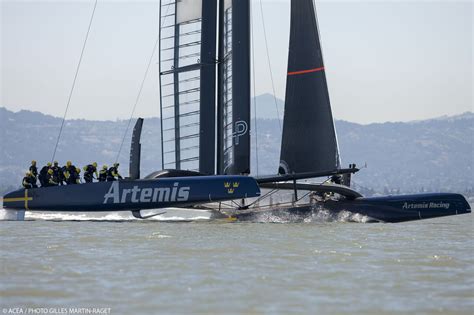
point(188, 10)
point(180, 54)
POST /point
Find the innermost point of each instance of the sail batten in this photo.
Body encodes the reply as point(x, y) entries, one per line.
point(309, 141)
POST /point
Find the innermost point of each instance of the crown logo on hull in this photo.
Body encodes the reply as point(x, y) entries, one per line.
point(231, 186)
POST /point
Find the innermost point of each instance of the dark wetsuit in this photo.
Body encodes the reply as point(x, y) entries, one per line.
point(89, 173)
point(336, 179)
point(112, 173)
point(29, 182)
point(34, 170)
point(42, 176)
point(72, 176)
point(58, 174)
point(69, 174)
point(52, 180)
point(102, 175)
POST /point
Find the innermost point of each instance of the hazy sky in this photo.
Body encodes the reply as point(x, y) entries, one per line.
point(385, 60)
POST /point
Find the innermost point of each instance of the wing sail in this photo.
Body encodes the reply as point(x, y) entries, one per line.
point(234, 88)
point(309, 141)
point(187, 84)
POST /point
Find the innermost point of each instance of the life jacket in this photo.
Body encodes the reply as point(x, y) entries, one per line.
point(27, 182)
point(68, 172)
point(52, 179)
point(34, 170)
point(112, 174)
point(89, 169)
point(103, 175)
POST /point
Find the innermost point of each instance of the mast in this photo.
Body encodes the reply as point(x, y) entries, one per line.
point(234, 88)
point(187, 84)
point(309, 141)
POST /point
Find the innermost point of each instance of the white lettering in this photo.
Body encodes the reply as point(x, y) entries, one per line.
point(183, 194)
point(146, 195)
point(161, 194)
point(135, 191)
point(174, 191)
point(426, 205)
point(113, 193)
point(136, 194)
point(125, 193)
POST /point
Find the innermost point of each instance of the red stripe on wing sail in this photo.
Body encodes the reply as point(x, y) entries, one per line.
point(306, 71)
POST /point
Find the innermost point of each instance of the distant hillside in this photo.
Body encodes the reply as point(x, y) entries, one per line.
point(429, 155)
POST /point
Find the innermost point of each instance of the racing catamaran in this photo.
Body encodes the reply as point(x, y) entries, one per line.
point(205, 120)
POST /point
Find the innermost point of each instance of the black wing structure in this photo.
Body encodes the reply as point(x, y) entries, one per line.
point(309, 141)
point(135, 150)
point(233, 153)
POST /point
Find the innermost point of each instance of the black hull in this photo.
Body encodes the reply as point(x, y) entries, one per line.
point(390, 209)
point(133, 195)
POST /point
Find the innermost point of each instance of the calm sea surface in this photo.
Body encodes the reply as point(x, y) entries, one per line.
point(148, 267)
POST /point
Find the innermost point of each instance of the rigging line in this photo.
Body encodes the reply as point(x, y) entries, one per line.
point(254, 90)
point(140, 90)
point(268, 194)
point(74, 82)
point(137, 99)
point(269, 63)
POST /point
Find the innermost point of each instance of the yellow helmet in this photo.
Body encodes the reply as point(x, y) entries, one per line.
point(85, 168)
point(33, 162)
point(94, 164)
point(50, 171)
point(105, 167)
point(68, 163)
point(78, 170)
point(48, 164)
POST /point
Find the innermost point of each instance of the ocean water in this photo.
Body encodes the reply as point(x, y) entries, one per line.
point(218, 267)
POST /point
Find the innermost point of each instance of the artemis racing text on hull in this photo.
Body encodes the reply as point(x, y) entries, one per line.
point(389, 209)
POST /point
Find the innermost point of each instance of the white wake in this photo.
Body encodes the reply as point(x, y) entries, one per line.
point(172, 214)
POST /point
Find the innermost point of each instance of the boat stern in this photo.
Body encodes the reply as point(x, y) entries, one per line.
point(14, 205)
point(17, 200)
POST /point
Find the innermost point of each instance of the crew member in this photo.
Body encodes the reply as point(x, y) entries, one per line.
point(43, 174)
point(113, 174)
point(103, 174)
point(29, 181)
point(51, 178)
point(89, 172)
point(69, 173)
point(76, 176)
point(58, 173)
point(336, 179)
point(34, 169)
